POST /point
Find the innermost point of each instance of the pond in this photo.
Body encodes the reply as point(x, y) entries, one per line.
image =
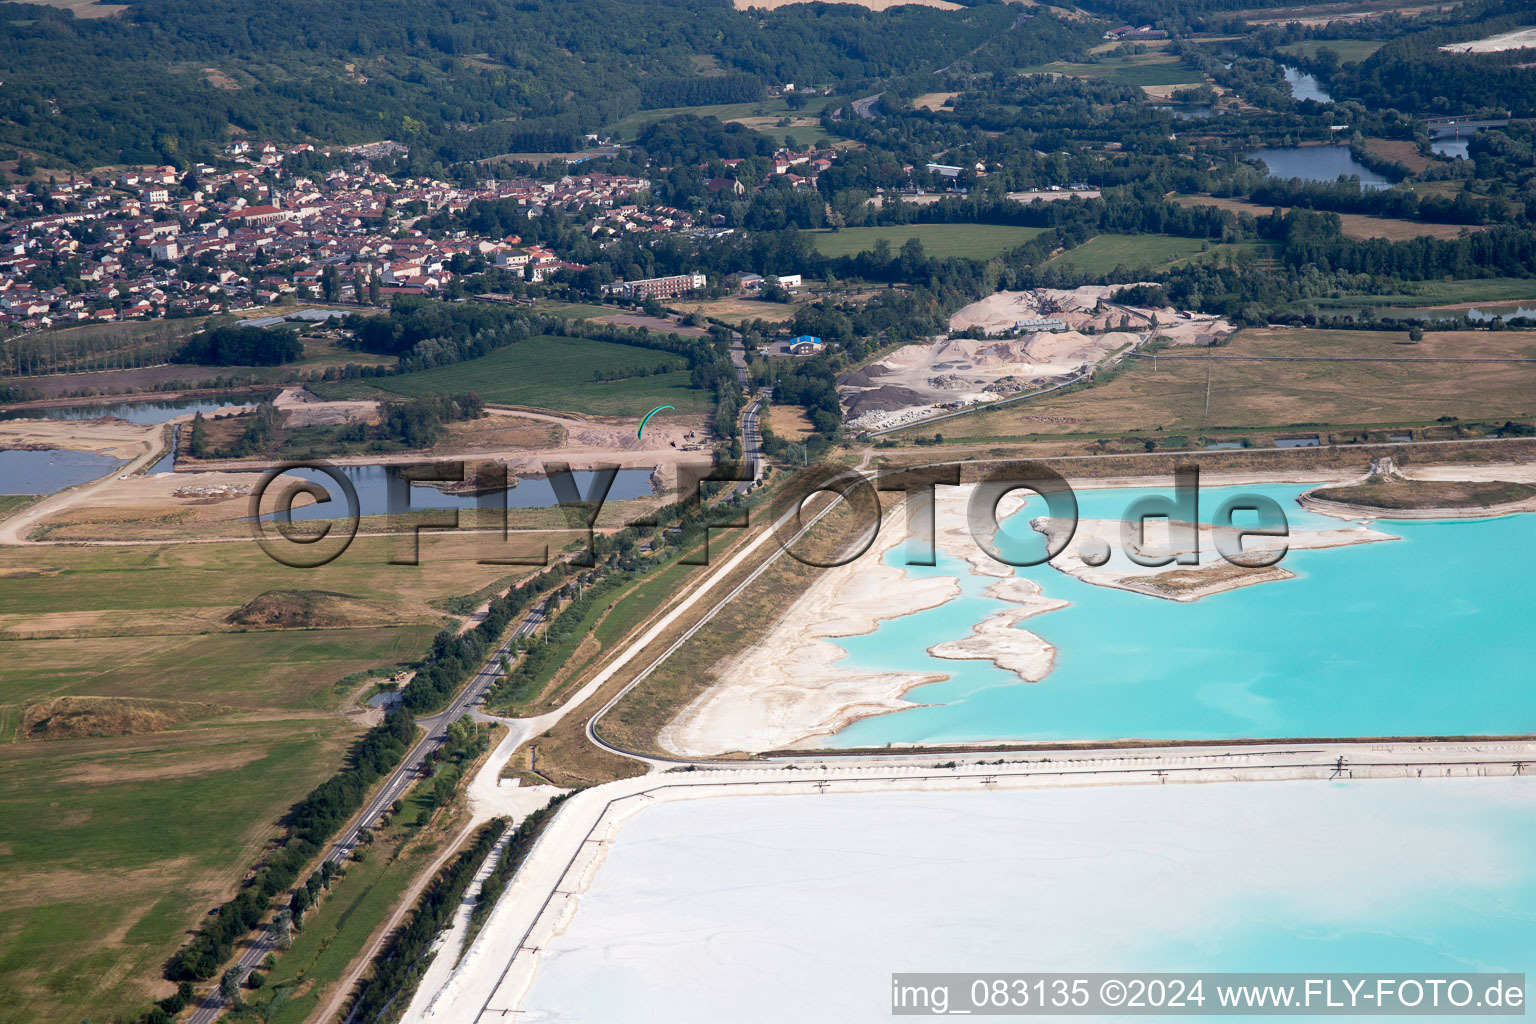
point(141, 412)
point(373, 483)
point(44, 472)
point(1316, 163)
point(1452, 148)
point(1305, 86)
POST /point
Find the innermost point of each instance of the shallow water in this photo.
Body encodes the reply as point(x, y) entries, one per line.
point(372, 486)
point(1427, 635)
point(144, 412)
point(1306, 87)
point(759, 909)
point(45, 472)
point(1507, 311)
point(1315, 163)
point(1450, 147)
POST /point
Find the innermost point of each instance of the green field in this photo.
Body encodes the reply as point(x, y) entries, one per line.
point(11, 502)
point(1430, 294)
point(1350, 51)
point(574, 310)
point(111, 849)
point(1103, 253)
point(117, 837)
point(761, 115)
point(1143, 69)
point(976, 241)
point(548, 373)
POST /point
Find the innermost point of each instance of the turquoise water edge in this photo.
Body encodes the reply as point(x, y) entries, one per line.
point(1426, 635)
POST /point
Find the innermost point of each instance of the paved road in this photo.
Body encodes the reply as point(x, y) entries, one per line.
point(751, 444)
point(401, 779)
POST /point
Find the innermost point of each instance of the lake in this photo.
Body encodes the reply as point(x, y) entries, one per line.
point(1305, 86)
point(142, 412)
point(1426, 635)
point(798, 908)
point(45, 472)
point(372, 485)
point(1315, 163)
point(1449, 147)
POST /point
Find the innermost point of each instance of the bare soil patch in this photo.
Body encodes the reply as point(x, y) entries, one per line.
point(740, 310)
point(1402, 151)
point(933, 100)
point(789, 422)
point(105, 436)
point(309, 609)
point(79, 717)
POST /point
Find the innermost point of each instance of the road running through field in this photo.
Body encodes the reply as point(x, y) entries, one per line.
point(393, 787)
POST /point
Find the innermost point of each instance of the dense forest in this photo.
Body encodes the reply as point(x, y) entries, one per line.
point(167, 80)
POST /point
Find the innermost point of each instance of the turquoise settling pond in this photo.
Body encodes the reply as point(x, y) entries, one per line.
point(1427, 635)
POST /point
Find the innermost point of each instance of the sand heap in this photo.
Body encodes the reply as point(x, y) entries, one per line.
point(1083, 309)
point(917, 380)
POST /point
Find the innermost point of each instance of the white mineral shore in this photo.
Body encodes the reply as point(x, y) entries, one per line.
point(999, 639)
point(1213, 574)
point(788, 688)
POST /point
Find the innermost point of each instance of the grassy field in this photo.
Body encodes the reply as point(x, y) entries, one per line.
point(976, 241)
point(11, 502)
point(762, 115)
point(86, 8)
point(1350, 51)
point(789, 422)
point(738, 310)
point(574, 310)
point(1198, 395)
point(1103, 253)
point(1355, 225)
point(112, 846)
point(1141, 69)
point(1403, 151)
point(1451, 297)
point(547, 373)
